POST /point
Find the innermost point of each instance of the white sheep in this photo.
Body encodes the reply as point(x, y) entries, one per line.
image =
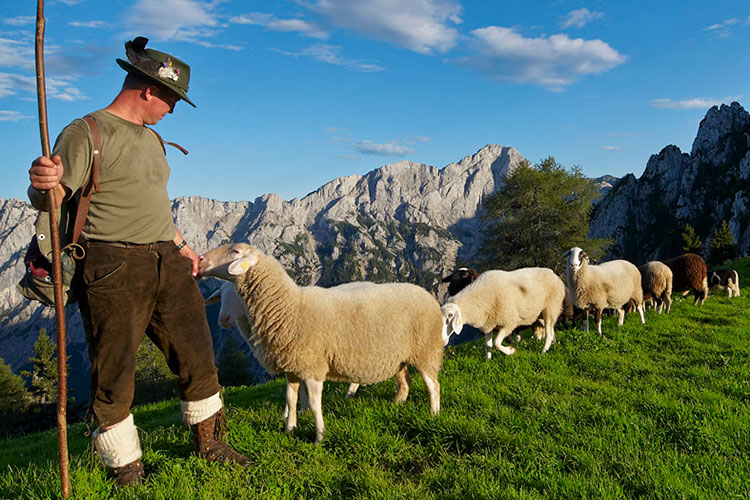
point(656, 283)
point(361, 334)
point(504, 300)
point(609, 285)
point(232, 311)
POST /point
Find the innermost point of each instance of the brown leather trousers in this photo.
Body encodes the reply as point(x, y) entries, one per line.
point(134, 290)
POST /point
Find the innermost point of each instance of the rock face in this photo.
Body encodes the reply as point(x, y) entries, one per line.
point(646, 216)
point(402, 222)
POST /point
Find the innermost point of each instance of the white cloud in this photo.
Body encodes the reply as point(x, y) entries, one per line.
point(20, 21)
point(722, 29)
point(273, 23)
point(187, 20)
point(614, 148)
point(12, 116)
point(422, 26)
point(392, 148)
point(16, 54)
point(553, 62)
point(694, 103)
point(331, 54)
point(88, 24)
point(580, 18)
point(57, 88)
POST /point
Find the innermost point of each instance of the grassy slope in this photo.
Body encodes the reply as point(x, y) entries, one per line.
point(661, 411)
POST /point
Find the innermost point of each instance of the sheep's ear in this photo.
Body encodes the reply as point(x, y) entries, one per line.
point(214, 297)
point(447, 279)
point(240, 266)
point(584, 256)
point(457, 323)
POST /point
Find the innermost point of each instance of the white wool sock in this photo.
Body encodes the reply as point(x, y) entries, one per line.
point(118, 445)
point(198, 411)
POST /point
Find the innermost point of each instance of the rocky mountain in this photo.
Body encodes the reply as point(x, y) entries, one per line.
point(646, 216)
point(402, 222)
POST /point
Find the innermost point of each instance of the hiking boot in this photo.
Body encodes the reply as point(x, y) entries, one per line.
point(208, 441)
point(127, 475)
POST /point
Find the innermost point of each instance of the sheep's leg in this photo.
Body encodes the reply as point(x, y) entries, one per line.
point(599, 321)
point(549, 329)
point(488, 344)
point(586, 321)
point(304, 404)
point(540, 328)
point(501, 334)
point(315, 393)
point(433, 388)
point(352, 390)
point(403, 380)
point(620, 316)
point(292, 388)
point(640, 311)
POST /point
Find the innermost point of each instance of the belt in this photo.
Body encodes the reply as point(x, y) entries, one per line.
point(125, 244)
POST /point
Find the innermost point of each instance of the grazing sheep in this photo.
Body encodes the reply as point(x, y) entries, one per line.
point(361, 334)
point(656, 282)
point(689, 274)
point(506, 300)
point(725, 278)
point(609, 285)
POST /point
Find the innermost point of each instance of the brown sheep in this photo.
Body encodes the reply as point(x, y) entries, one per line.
point(689, 273)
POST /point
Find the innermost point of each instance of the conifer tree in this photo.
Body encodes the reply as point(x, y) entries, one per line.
point(43, 375)
point(14, 399)
point(233, 365)
point(692, 243)
point(537, 215)
point(723, 247)
point(154, 381)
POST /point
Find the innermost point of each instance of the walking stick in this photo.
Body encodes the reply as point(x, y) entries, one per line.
point(62, 429)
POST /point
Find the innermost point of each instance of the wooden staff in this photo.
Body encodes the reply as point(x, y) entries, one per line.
point(62, 397)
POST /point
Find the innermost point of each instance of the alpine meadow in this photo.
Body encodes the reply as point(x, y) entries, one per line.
point(653, 411)
point(396, 250)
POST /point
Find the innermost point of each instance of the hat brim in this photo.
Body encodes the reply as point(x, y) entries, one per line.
point(177, 90)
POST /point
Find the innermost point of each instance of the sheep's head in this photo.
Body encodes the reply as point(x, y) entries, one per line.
point(577, 258)
point(452, 322)
point(460, 279)
point(228, 261)
point(232, 305)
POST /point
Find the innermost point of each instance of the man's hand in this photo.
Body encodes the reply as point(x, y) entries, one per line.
point(188, 252)
point(45, 173)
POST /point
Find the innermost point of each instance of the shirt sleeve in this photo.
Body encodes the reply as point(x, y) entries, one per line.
point(74, 147)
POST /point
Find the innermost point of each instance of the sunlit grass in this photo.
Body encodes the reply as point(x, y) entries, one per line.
point(654, 411)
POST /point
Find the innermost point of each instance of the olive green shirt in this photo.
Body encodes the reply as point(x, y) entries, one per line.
point(132, 204)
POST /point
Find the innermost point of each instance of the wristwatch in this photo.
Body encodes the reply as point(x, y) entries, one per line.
point(182, 244)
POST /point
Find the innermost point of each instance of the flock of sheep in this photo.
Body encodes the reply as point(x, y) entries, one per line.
point(364, 333)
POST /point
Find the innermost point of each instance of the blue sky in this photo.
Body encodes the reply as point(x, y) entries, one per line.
point(292, 94)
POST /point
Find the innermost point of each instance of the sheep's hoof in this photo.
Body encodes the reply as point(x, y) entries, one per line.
point(318, 439)
point(289, 430)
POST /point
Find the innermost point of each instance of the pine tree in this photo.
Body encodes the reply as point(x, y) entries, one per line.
point(14, 399)
point(723, 247)
point(43, 375)
point(154, 381)
point(233, 365)
point(692, 243)
point(538, 214)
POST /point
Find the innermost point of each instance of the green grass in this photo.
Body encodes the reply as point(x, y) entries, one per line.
point(654, 411)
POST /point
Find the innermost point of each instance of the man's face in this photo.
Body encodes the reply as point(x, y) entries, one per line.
point(163, 103)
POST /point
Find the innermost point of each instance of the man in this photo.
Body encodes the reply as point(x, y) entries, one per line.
point(137, 275)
